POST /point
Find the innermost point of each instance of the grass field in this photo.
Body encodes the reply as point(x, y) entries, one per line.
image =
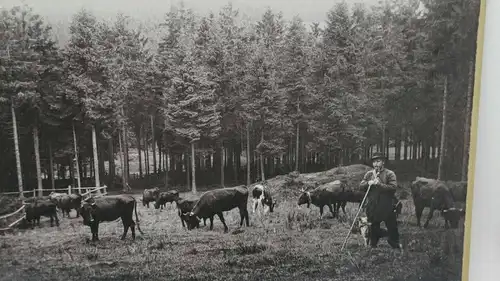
point(290, 244)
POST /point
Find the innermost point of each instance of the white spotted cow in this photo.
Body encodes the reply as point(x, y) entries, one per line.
point(261, 195)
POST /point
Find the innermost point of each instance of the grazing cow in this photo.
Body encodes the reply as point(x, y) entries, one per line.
point(185, 206)
point(109, 208)
point(217, 201)
point(41, 207)
point(326, 194)
point(437, 196)
point(364, 227)
point(150, 195)
point(166, 197)
point(261, 195)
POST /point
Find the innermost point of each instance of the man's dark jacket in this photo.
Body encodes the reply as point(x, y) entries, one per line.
point(381, 199)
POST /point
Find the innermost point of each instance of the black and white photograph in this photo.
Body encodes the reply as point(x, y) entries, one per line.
point(236, 140)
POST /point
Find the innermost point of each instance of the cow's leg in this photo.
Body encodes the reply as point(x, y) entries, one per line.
point(331, 209)
point(126, 225)
point(242, 216)
point(132, 228)
point(321, 211)
point(419, 208)
point(429, 216)
point(94, 228)
point(255, 203)
point(221, 217)
point(51, 220)
point(56, 218)
point(211, 222)
point(344, 203)
point(205, 221)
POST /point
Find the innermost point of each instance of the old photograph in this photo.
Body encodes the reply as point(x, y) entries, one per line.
point(235, 140)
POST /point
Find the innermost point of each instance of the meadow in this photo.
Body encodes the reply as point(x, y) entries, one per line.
point(291, 243)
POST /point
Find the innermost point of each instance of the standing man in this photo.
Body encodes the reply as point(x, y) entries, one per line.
point(380, 201)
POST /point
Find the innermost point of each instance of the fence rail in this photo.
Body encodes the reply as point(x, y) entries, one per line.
point(69, 190)
point(89, 192)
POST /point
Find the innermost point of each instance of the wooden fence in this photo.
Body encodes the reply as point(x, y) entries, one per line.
point(17, 216)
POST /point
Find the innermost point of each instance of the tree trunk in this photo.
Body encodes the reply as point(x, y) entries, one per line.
point(111, 162)
point(222, 160)
point(122, 157)
point(165, 157)
point(139, 137)
point(37, 159)
point(153, 144)
point(262, 170)
point(193, 167)
point(146, 154)
point(443, 130)
point(166, 168)
point(51, 167)
point(297, 138)
point(186, 162)
point(468, 112)
point(249, 181)
point(96, 160)
point(126, 156)
point(16, 151)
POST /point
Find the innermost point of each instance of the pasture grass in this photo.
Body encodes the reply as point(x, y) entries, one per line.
point(291, 243)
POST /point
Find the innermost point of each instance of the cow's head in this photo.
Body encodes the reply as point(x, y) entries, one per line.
point(87, 211)
point(191, 219)
point(305, 198)
point(453, 215)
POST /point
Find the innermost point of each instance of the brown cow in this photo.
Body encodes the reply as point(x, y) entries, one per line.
point(186, 206)
point(437, 196)
point(166, 197)
point(109, 208)
point(150, 195)
point(325, 195)
point(217, 201)
point(38, 208)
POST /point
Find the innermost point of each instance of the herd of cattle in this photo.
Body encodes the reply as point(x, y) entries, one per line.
point(431, 193)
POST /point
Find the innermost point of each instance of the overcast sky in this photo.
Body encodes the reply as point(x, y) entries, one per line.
point(59, 12)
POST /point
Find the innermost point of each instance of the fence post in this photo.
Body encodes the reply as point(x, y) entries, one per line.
point(105, 190)
point(69, 189)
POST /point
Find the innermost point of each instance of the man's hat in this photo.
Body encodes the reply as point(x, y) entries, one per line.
point(378, 155)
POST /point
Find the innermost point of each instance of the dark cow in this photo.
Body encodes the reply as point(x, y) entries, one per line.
point(325, 195)
point(41, 207)
point(437, 196)
point(166, 197)
point(109, 208)
point(185, 206)
point(261, 195)
point(458, 190)
point(67, 202)
point(150, 195)
point(354, 195)
point(217, 201)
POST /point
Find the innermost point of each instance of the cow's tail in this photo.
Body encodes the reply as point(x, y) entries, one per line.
point(137, 218)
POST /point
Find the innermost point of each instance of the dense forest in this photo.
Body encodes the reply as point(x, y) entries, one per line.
point(224, 100)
